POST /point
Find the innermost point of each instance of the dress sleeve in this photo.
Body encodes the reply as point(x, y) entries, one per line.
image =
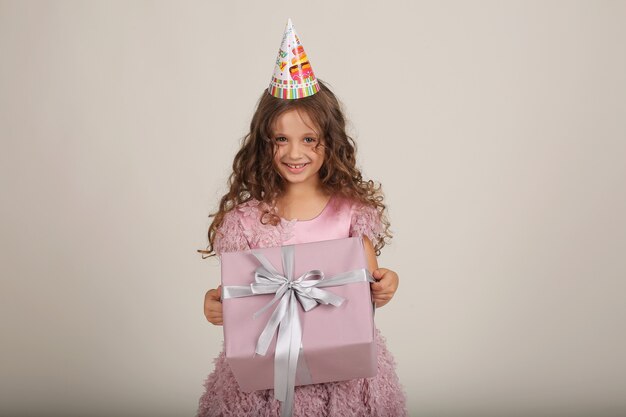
point(229, 236)
point(365, 221)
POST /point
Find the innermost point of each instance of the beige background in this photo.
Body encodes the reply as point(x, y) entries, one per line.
point(497, 129)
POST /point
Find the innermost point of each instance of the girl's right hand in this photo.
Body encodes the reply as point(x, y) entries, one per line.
point(213, 306)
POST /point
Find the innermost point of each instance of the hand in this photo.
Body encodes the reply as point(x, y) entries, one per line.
point(213, 306)
point(384, 290)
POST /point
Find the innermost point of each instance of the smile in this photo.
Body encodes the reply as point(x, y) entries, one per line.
point(296, 169)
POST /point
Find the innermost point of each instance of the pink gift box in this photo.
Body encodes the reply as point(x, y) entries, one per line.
point(337, 342)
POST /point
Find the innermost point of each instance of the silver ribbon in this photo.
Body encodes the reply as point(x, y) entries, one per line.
point(307, 290)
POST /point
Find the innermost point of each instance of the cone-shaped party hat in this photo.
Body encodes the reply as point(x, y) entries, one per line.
point(293, 75)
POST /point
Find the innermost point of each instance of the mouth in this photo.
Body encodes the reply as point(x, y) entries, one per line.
point(296, 168)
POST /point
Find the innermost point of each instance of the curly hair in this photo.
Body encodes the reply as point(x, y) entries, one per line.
point(255, 177)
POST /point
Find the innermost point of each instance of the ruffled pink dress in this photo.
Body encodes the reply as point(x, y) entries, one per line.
point(380, 396)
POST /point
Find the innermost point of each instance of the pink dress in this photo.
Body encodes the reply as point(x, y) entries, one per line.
point(380, 396)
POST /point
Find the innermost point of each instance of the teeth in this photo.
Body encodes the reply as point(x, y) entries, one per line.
point(296, 166)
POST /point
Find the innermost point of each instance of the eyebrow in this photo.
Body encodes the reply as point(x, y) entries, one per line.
point(304, 134)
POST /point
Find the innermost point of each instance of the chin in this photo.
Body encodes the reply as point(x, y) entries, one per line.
point(293, 180)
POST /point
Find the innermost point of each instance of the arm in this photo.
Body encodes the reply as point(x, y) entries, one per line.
point(229, 238)
point(383, 290)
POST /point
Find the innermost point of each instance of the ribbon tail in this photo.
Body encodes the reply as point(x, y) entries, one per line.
point(286, 361)
point(277, 296)
point(325, 297)
point(303, 374)
point(275, 320)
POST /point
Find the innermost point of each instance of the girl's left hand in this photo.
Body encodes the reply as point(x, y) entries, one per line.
point(384, 290)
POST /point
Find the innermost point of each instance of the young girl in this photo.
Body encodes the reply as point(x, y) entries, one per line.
point(295, 180)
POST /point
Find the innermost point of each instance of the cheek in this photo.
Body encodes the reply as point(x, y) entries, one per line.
point(277, 155)
point(319, 155)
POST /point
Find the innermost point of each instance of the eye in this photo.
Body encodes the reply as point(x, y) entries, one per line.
point(281, 139)
point(309, 140)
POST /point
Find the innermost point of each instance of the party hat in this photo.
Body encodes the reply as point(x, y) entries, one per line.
point(293, 76)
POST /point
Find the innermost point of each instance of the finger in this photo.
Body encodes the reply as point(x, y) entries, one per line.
point(382, 285)
point(214, 310)
point(390, 280)
point(215, 318)
point(381, 302)
point(213, 315)
point(207, 302)
point(216, 322)
point(388, 294)
point(378, 273)
point(214, 307)
point(384, 295)
point(211, 303)
point(389, 276)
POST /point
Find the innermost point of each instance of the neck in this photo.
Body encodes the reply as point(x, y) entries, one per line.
point(302, 191)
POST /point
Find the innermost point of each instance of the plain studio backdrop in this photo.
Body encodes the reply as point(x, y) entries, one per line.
point(498, 131)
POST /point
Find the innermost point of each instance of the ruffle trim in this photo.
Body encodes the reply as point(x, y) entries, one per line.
point(366, 222)
point(379, 396)
point(242, 229)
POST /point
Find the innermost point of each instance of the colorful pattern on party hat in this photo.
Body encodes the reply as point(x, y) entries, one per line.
point(293, 75)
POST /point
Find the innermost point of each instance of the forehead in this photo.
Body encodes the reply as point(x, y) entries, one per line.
point(295, 122)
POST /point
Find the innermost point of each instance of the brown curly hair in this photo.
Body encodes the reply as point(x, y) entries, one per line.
point(255, 177)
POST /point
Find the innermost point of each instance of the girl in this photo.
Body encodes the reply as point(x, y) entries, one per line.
point(295, 180)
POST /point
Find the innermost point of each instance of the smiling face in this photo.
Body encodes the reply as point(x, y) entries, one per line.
point(297, 156)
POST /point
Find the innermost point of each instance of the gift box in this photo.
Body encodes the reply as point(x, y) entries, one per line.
point(298, 314)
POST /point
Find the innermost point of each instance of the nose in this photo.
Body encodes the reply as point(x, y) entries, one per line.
point(294, 151)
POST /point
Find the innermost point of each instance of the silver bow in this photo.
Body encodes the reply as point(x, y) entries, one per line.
point(307, 291)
